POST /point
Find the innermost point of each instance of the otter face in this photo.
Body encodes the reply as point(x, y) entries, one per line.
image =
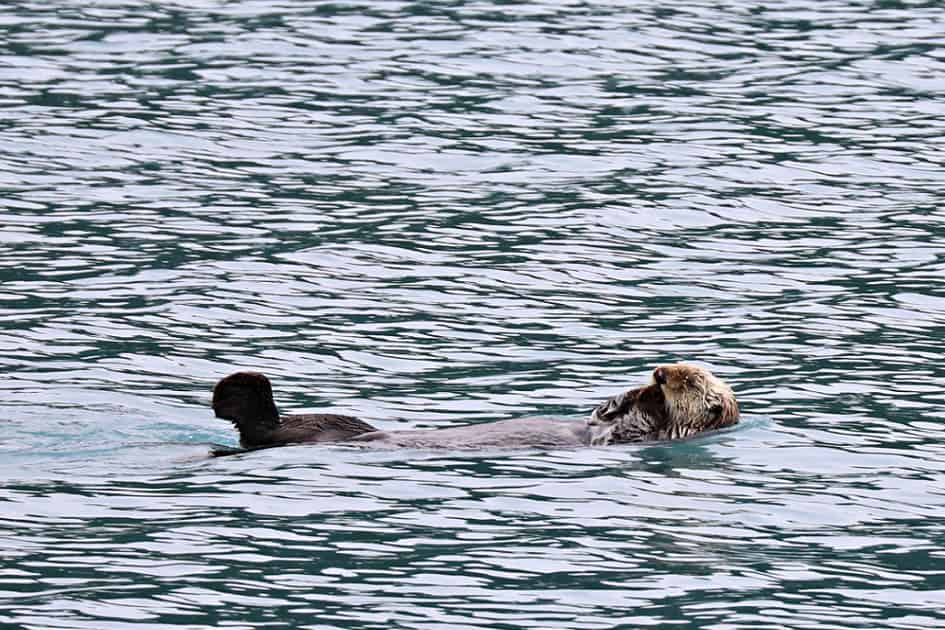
point(695, 399)
point(678, 378)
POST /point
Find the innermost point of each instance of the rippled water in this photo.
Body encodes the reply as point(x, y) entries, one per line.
point(429, 214)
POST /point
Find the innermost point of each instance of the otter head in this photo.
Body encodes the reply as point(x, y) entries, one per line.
point(682, 400)
point(245, 399)
point(695, 399)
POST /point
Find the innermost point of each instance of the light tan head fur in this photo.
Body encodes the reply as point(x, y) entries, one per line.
point(695, 399)
point(681, 400)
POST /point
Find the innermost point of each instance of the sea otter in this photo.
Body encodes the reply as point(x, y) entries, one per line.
point(680, 401)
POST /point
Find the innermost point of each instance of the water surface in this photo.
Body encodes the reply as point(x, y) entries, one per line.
point(430, 214)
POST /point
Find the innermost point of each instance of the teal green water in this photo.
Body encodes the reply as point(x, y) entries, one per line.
point(429, 214)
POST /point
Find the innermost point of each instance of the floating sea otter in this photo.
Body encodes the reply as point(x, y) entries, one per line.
point(681, 401)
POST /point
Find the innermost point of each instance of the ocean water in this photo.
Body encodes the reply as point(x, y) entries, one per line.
point(436, 213)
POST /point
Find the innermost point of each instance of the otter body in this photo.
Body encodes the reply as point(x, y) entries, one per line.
point(681, 401)
point(516, 433)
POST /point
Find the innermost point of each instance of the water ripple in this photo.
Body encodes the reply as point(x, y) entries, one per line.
point(431, 214)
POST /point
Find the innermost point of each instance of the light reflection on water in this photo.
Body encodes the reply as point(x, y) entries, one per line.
point(435, 214)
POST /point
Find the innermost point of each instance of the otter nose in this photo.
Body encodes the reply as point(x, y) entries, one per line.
point(659, 376)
